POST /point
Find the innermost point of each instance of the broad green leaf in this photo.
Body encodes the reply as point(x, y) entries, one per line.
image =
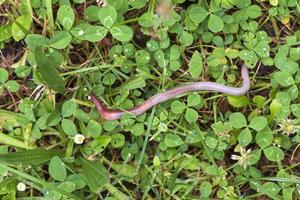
point(262, 190)
point(264, 138)
point(228, 4)
point(66, 16)
point(287, 193)
point(8, 185)
point(194, 100)
point(190, 163)
point(162, 127)
point(238, 101)
point(255, 156)
point(142, 57)
point(3, 75)
point(54, 118)
point(191, 115)
point(172, 140)
point(295, 108)
point(212, 170)
point(107, 15)
point(47, 69)
point(79, 31)
point(193, 137)
point(77, 180)
point(262, 49)
point(68, 127)
point(275, 107)
point(249, 57)
point(283, 98)
point(253, 11)
point(94, 128)
point(186, 39)
point(159, 57)
point(138, 129)
point(110, 125)
point(288, 66)
point(174, 52)
point(67, 186)
point(273, 2)
point(20, 28)
point(272, 188)
point(215, 23)
point(60, 40)
point(95, 175)
point(259, 101)
point(152, 45)
point(5, 32)
point(177, 107)
point(147, 19)
point(245, 137)
point(237, 120)
point(91, 13)
point(231, 53)
point(29, 157)
point(284, 78)
point(23, 71)
point(258, 123)
point(57, 169)
point(117, 140)
point(95, 33)
point(138, 4)
point(195, 65)
point(197, 14)
point(68, 108)
point(121, 32)
point(274, 153)
point(12, 86)
point(128, 50)
point(220, 128)
point(102, 142)
point(294, 53)
point(124, 169)
point(134, 83)
point(211, 142)
point(175, 65)
point(205, 189)
point(35, 40)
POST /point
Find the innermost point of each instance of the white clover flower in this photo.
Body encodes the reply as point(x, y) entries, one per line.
point(288, 127)
point(243, 159)
point(79, 139)
point(21, 187)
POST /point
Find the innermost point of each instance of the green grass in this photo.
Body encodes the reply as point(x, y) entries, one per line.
point(201, 145)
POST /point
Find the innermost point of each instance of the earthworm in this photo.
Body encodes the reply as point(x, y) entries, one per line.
point(110, 114)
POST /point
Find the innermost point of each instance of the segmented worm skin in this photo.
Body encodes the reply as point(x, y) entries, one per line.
point(109, 114)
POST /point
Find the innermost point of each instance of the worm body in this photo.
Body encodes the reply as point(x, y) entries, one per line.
point(109, 114)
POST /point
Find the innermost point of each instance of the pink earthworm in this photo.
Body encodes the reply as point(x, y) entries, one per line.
point(110, 114)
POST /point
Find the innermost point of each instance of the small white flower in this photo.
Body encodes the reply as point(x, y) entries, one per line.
point(79, 138)
point(21, 187)
point(288, 127)
point(243, 159)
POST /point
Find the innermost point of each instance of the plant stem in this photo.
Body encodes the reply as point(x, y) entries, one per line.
point(29, 8)
point(115, 192)
point(50, 15)
point(11, 141)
